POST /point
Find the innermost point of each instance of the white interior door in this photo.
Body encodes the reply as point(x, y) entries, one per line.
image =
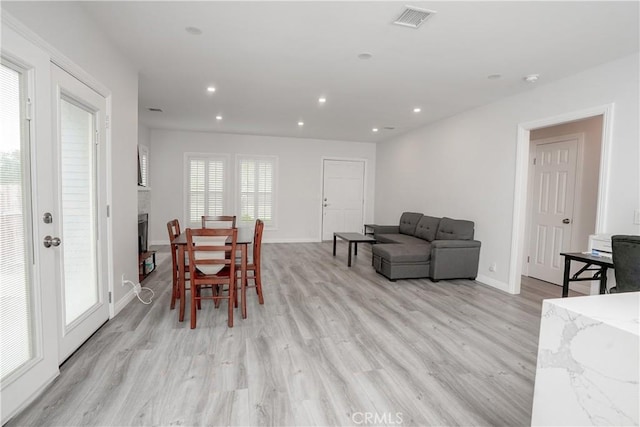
point(28, 336)
point(343, 197)
point(552, 208)
point(79, 216)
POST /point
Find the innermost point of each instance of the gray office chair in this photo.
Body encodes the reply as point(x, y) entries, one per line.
point(626, 263)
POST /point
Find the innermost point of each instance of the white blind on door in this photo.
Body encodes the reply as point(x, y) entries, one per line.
point(77, 191)
point(16, 335)
point(206, 195)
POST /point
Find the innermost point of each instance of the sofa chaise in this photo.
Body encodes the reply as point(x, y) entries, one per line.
point(422, 246)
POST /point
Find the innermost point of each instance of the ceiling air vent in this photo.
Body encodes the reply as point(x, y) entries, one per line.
point(413, 17)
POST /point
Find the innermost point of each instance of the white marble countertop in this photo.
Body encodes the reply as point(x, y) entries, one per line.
point(618, 310)
point(588, 361)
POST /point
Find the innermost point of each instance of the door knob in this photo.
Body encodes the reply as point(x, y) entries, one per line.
point(566, 221)
point(51, 241)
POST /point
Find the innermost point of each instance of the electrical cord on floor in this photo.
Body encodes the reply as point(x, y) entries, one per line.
point(137, 288)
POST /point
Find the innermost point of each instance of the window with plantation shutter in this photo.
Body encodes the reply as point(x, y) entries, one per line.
point(144, 165)
point(206, 187)
point(257, 188)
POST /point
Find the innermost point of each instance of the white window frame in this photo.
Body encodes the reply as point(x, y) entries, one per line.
point(269, 224)
point(226, 192)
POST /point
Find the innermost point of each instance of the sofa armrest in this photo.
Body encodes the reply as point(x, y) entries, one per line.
point(454, 259)
point(385, 229)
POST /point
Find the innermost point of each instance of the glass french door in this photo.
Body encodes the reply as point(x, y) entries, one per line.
point(28, 333)
point(80, 190)
point(16, 276)
point(53, 238)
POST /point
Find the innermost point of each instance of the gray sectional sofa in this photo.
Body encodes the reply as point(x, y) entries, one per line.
point(425, 246)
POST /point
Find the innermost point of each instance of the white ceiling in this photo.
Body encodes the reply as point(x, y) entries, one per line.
point(271, 61)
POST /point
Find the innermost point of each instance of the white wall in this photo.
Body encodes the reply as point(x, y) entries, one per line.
point(144, 136)
point(464, 166)
point(299, 178)
point(66, 27)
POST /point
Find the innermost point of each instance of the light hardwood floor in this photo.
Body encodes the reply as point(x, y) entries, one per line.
point(332, 345)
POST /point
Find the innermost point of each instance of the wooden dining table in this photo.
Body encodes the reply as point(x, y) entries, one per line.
point(244, 239)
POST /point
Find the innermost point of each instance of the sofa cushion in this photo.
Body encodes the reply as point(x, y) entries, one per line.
point(427, 228)
point(408, 222)
point(403, 252)
point(454, 229)
point(399, 238)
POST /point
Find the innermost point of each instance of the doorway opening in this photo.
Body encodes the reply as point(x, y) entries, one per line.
point(562, 195)
point(523, 168)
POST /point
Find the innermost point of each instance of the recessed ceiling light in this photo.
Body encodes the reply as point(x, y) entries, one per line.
point(374, 130)
point(218, 117)
point(531, 78)
point(365, 55)
point(322, 100)
point(211, 89)
point(417, 110)
point(494, 76)
point(300, 123)
point(193, 30)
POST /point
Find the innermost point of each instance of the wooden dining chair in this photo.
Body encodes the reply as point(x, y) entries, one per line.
point(211, 264)
point(253, 266)
point(221, 221)
point(173, 228)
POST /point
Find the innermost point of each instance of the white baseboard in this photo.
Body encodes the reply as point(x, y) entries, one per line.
point(292, 240)
point(493, 283)
point(583, 288)
point(122, 303)
point(578, 287)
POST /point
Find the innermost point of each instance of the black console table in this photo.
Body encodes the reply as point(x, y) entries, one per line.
point(596, 264)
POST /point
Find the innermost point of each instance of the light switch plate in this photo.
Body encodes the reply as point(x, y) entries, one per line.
point(636, 217)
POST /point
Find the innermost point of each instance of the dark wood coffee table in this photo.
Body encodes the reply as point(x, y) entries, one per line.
point(352, 238)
